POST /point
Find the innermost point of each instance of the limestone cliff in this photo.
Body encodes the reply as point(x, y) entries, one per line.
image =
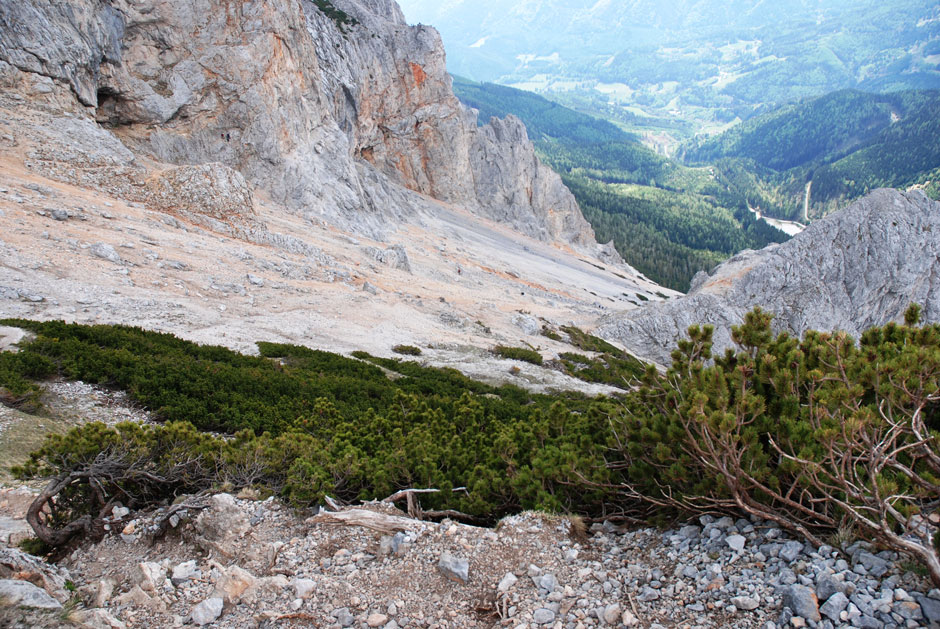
point(857, 268)
point(391, 94)
point(330, 116)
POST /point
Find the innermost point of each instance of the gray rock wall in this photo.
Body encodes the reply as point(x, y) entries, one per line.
point(855, 269)
point(514, 187)
point(68, 41)
point(301, 106)
point(391, 94)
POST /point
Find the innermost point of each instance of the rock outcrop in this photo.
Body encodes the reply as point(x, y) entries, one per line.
point(68, 42)
point(330, 113)
point(513, 187)
point(208, 194)
point(857, 268)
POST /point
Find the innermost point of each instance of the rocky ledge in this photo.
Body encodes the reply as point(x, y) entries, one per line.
point(234, 562)
point(857, 268)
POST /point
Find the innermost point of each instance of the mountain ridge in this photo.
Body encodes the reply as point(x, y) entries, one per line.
point(855, 269)
point(674, 69)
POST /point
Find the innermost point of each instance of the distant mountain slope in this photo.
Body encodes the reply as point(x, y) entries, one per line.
point(543, 118)
point(846, 143)
point(857, 268)
point(824, 129)
point(666, 220)
point(694, 60)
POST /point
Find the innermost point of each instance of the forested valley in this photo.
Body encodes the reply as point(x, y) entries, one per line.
point(846, 143)
point(667, 220)
point(670, 218)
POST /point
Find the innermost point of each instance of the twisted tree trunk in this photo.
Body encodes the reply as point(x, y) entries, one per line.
point(36, 517)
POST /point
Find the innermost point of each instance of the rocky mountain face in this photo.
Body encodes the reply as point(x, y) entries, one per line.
point(858, 268)
point(286, 171)
point(329, 115)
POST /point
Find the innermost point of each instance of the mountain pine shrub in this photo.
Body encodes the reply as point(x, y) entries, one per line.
point(518, 353)
point(819, 435)
point(813, 435)
point(303, 424)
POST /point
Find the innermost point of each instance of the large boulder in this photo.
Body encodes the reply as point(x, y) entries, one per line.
point(212, 195)
point(802, 601)
point(25, 594)
point(221, 525)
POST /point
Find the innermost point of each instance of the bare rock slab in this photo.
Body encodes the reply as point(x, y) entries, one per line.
point(25, 594)
point(454, 568)
point(207, 611)
point(802, 602)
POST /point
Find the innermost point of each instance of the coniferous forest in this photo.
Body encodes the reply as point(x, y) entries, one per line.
point(846, 143)
point(671, 218)
point(667, 220)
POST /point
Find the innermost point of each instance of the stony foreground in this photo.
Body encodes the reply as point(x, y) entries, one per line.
point(248, 563)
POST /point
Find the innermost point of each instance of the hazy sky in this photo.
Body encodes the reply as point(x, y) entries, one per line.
point(493, 32)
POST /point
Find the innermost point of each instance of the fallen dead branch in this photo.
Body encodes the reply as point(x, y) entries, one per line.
point(414, 507)
point(380, 522)
point(197, 502)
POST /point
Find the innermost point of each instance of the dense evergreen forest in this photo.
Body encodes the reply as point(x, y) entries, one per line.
point(670, 219)
point(846, 143)
point(667, 220)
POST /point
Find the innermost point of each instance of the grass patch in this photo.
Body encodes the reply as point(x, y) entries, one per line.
point(35, 546)
point(589, 342)
point(614, 366)
point(407, 350)
point(342, 19)
point(23, 435)
point(518, 353)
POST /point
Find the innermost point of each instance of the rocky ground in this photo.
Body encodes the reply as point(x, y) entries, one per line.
point(85, 242)
point(245, 562)
point(64, 405)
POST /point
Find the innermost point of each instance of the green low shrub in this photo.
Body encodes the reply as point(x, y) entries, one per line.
point(816, 434)
point(342, 19)
point(518, 353)
point(614, 366)
point(821, 435)
point(304, 424)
